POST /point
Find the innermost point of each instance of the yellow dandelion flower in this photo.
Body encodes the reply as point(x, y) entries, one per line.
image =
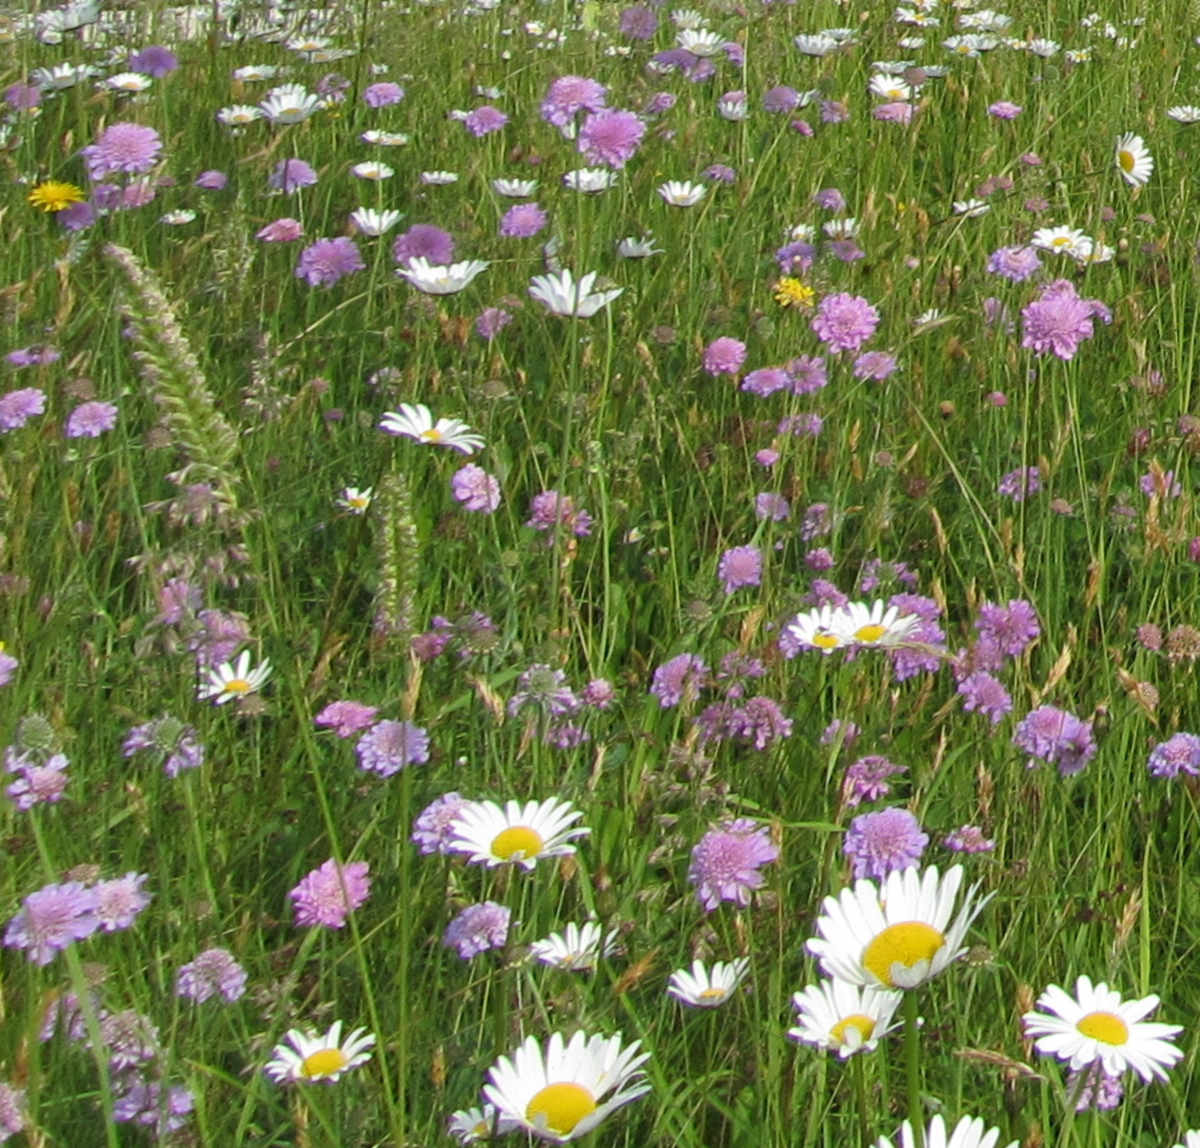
point(792, 292)
point(55, 196)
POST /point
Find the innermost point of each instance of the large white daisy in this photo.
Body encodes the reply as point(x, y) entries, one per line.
point(969, 1132)
point(877, 624)
point(1133, 159)
point(440, 278)
point(563, 1093)
point(414, 420)
point(842, 1017)
point(312, 1057)
point(899, 936)
point(823, 628)
point(1096, 1024)
point(517, 834)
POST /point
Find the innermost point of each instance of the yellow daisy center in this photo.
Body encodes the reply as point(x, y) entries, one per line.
point(857, 1022)
point(1106, 1027)
point(905, 944)
point(359, 502)
point(237, 686)
point(1126, 159)
point(562, 1106)
point(433, 434)
point(516, 841)
point(870, 633)
point(1061, 241)
point(712, 994)
point(824, 640)
point(323, 1062)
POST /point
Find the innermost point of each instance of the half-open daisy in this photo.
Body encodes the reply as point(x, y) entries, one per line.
point(563, 1093)
point(877, 624)
point(440, 278)
point(1133, 160)
point(577, 948)
point(413, 420)
point(469, 1125)
point(707, 988)
point(563, 294)
point(312, 1057)
point(969, 1132)
point(228, 680)
point(1096, 1024)
point(842, 1017)
point(899, 936)
point(517, 834)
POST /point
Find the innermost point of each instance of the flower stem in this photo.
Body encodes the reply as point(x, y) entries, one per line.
point(912, 1066)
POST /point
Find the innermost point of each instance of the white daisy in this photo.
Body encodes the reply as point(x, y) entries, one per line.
point(372, 222)
point(969, 1132)
point(577, 948)
point(877, 624)
point(700, 41)
point(1184, 114)
point(414, 420)
point(313, 1057)
point(590, 179)
point(822, 628)
point(1062, 240)
point(707, 988)
point(842, 1017)
point(128, 82)
point(178, 217)
point(515, 835)
point(682, 193)
point(354, 500)
point(471, 1124)
point(1133, 160)
point(438, 178)
point(1096, 1024)
point(817, 45)
point(633, 248)
point(440, 278)
point(290, 104)
point(899, 936)
point(687, 18)
point(372, 170)
point(563, 294)
point(238, 115)
point(1190, 1140)
point(228, 681)
point(1043, 48)
point(253, 73)
point(844, 228)
point(515, 188)
point(970, 208)
point(567, 1091)
point(887, 87)
point(384, 139)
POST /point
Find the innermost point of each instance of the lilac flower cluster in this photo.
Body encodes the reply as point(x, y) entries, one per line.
point(167, 742)
point(1180, 753)
point(478, 928)
point(214, 972)
point(551, 512)
point(1057, 737)
point(388, 746)
point(1058, 320)
point(878, 843)
point(330, 892)
point(726, 862)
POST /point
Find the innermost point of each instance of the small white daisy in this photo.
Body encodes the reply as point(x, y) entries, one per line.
point(440, 278)
point(822, 628)
point(565, 1092)
point(590, 180)
point(700, 41)
point(354, 500)
point(128, 82)
point(238, 115)
point(707, 988)
point(290, 104)
point(385, 139)
point(438, 178)
point(969, 1132)
point(372, 222)
point(470, 1125)
point(877, 624)
point(414, 420)
point(842, 1017)
point(970, 208)
point(633, 248)
point(1133, 160)
point(372, 170)
point(1063, 241)
point(515, 835)
point(577, 948)
point(563, 294)
point(312, 1057)
point(1096, 1024)
point(898, 936)
point(228, 681)
point(1184, 114)
point(682, 193)
point(515, 188)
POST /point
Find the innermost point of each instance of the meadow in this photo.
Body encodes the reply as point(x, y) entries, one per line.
point(600, 571)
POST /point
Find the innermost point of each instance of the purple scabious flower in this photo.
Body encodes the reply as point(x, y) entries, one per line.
point(845, 731)
point(214, 972)
point(22, 97)
point(12, 1110)
point(1004, 110)
point(347, 717)
point(967, 839)
point(680, 679)
point(985, 695)
point(8, 666)
point(285, 230)
point(726, 862)
point(35, 355)
point(910, 660)
point(290, 175)
point(830, 199)
point(822, 592)
point(834, 112)
point(1180, 753)
point(424, 241)
point(819, 559)
point(846, 250)
point(388, 746)
point(1093, 1089)
point(151, 1104)
point(807, 373)
point(638, 22)
point(781, 99)
point(484, 120)
point(1058, 320)
point(491, 321)
point(844, 322)
point(122, 148)
point(90, 420)
point(550, 511)
point(724, 356)
point(878, 843)
point(211, 180)
point(765, 381)
point(875, 570)
point(598, 694)
point(611, 137)
point(478, 928)
point(176, 745)
point(740, 566)
point(154, 60)
point(893, 112)
point(1010, 628)
point(1163, 483)
point(545, 689)
point(877, 365)
point(18, 407)
point(130, 1038)
point(475, 489)
point(37, 782)
point(523, 221)
point(713, 722)
point(327, 261)
point(1015, 264)
point(796, 258)
point(433, 827)
point(1019, 484)
point(330, 892)
point(867, 780)
point(220, 635)
point(1057, 737)
point(768, 504)
point(736, 669)
point(51, 918)
point(119, 901)
point(759, 721)
point(382, 94)
point(569, 95)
